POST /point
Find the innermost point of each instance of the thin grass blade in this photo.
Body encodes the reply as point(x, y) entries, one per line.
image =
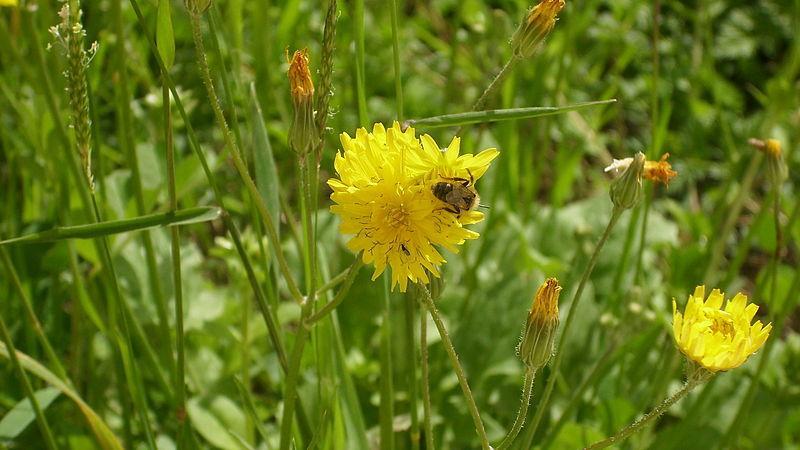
point(498, 115)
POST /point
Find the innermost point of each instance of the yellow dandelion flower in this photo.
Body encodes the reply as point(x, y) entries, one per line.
point(716, 338)
point(384, 197)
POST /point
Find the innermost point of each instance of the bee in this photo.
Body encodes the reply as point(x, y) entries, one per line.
point(458, 193)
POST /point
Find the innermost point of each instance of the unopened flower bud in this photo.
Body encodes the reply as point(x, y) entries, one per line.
point(302, 133)
point(778, 171)
point(197, 6)
point(540, 330)
point(535, 27)
point(627, 188)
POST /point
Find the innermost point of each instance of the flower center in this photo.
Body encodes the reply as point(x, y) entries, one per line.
point(397, 215)
point(721, 322)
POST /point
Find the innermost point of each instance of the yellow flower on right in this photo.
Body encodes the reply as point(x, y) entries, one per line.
point(714, 337)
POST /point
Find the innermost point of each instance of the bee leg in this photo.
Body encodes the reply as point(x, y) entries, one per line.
point(454, 210)
point(471, 179)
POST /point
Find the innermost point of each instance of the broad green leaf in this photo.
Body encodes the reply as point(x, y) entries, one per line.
point(105, 437)
point(165, 41)
point(180, 217)
point(211, 425)
point(22, 414)
point(265, 170)
point(497, 115)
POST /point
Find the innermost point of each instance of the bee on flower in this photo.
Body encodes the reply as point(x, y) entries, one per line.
point(385, 197)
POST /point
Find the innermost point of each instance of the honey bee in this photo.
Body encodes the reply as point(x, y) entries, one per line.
point(458, 193)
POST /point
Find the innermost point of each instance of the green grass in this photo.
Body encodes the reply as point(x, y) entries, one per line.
point(236, 230)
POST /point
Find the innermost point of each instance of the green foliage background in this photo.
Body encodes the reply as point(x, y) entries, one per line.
point(697, 84)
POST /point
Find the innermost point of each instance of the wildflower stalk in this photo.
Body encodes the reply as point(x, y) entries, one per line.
point(387, 382)
point(656, 412)
point(230, 225)
point(177, 279)
point(426, 388)
point(292, 375)
point(41, 420)
point(462, 378)
point(496, 82)
point(358, 35)
point(350, 276)
point(410, 303)
point(398, 83)
point(236, 155)
point(551, 379)
point(522, 413)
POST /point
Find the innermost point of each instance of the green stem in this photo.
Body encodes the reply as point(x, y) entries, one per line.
point(496, 83)
point(290, 386)
point(238, 162)
point(358, 35)
point(654, 413)
point(177, 279)
point(387, 381)
point(352, 272)
point(426, 387)
point(44, 427)
point(398, 82)
point(522, 413)
point(411, 348)
point(31, 314)
point(551, 379)
point(462, 378)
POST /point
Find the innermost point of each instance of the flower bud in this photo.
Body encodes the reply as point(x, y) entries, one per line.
point(627, 188)
point(540, 330)
point(303, 134)
point(778, 171)
point(535, 27)
point(197, 6)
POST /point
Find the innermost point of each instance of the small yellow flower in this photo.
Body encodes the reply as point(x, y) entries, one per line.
point(716, 338)
point(540, 330)
point(659, 171)
point(385, 200)
point(9, 2)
